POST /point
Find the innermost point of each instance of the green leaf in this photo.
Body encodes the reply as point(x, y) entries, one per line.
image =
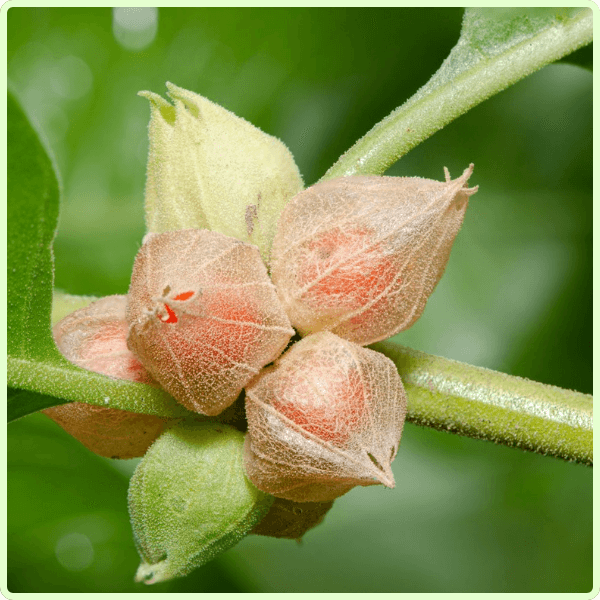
point(32, 214)
point(22, 403)
point(497, 47)
point(34, 363)
point(476, 402)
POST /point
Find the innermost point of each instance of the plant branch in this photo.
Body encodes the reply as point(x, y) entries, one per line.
point(67, 382)
point(490, 55)
point(476, 402)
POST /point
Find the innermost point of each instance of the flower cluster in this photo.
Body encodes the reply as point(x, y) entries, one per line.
point(246, 284)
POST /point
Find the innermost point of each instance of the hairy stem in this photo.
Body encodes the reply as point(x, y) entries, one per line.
point(471, 74)
point(476, 402)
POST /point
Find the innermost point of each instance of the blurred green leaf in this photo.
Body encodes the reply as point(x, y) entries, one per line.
point(496, 48)
point(68, 519)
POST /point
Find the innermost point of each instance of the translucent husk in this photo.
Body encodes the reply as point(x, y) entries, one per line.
point(327, 416)
point(291, 520)
point(208, 168)
point(360, 256)
point(204, 316)
point(189, 500)
point(95, 338)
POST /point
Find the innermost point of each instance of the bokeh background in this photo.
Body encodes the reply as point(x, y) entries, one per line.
point(466, 515)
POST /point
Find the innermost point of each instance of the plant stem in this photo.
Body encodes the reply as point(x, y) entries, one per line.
point(69, 383)
point(476, 402)
point(467, 77)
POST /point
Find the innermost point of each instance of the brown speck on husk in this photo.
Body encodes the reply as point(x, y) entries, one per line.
point(359, 256)
point(327, 416)
point(217, 325)
point(95, 338)
point(291, 520)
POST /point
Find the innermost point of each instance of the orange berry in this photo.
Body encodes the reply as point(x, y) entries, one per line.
point(326, 408)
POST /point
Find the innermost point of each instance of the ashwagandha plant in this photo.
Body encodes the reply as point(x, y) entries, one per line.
point(205, 318)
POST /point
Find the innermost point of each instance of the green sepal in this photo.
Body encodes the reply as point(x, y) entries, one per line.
point(190, 500)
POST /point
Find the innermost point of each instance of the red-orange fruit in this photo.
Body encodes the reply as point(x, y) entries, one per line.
point(204, 316)
point(95, 338)
point(360, 256)
point(327, 416)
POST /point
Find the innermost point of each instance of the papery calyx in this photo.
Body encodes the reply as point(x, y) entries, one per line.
point(95, 338)
point(209, 169)
point(327, 416)
point(360, 256)
point(204, 316)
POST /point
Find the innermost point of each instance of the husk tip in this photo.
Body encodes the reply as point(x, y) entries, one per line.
point(151, 574)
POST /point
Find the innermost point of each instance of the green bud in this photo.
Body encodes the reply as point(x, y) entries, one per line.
point(189, 500)
point(209, 169)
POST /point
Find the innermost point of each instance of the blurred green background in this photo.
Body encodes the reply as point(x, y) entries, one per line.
point(466, 515)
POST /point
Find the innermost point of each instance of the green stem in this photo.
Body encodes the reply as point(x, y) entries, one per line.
point(467, 77)
point(68, 383)
point(476, 402)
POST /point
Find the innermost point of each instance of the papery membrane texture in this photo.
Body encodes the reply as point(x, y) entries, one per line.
point(204, 316)
point(95, 338)
point(359, 256)
point(327, 416)
point(291, 520)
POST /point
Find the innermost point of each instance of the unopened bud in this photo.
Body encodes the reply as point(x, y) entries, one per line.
point(189, 500)
point(209, 169)
point(360, 256)
point(95, 338)
point(204, 316)
point(327, 416)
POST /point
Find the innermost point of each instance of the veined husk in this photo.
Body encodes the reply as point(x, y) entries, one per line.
point(95, 338)
point(360, 256)
point(327, 416)
point(291, 520)
point(204, 316)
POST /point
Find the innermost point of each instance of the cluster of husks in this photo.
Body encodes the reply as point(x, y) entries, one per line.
point(353, 262)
